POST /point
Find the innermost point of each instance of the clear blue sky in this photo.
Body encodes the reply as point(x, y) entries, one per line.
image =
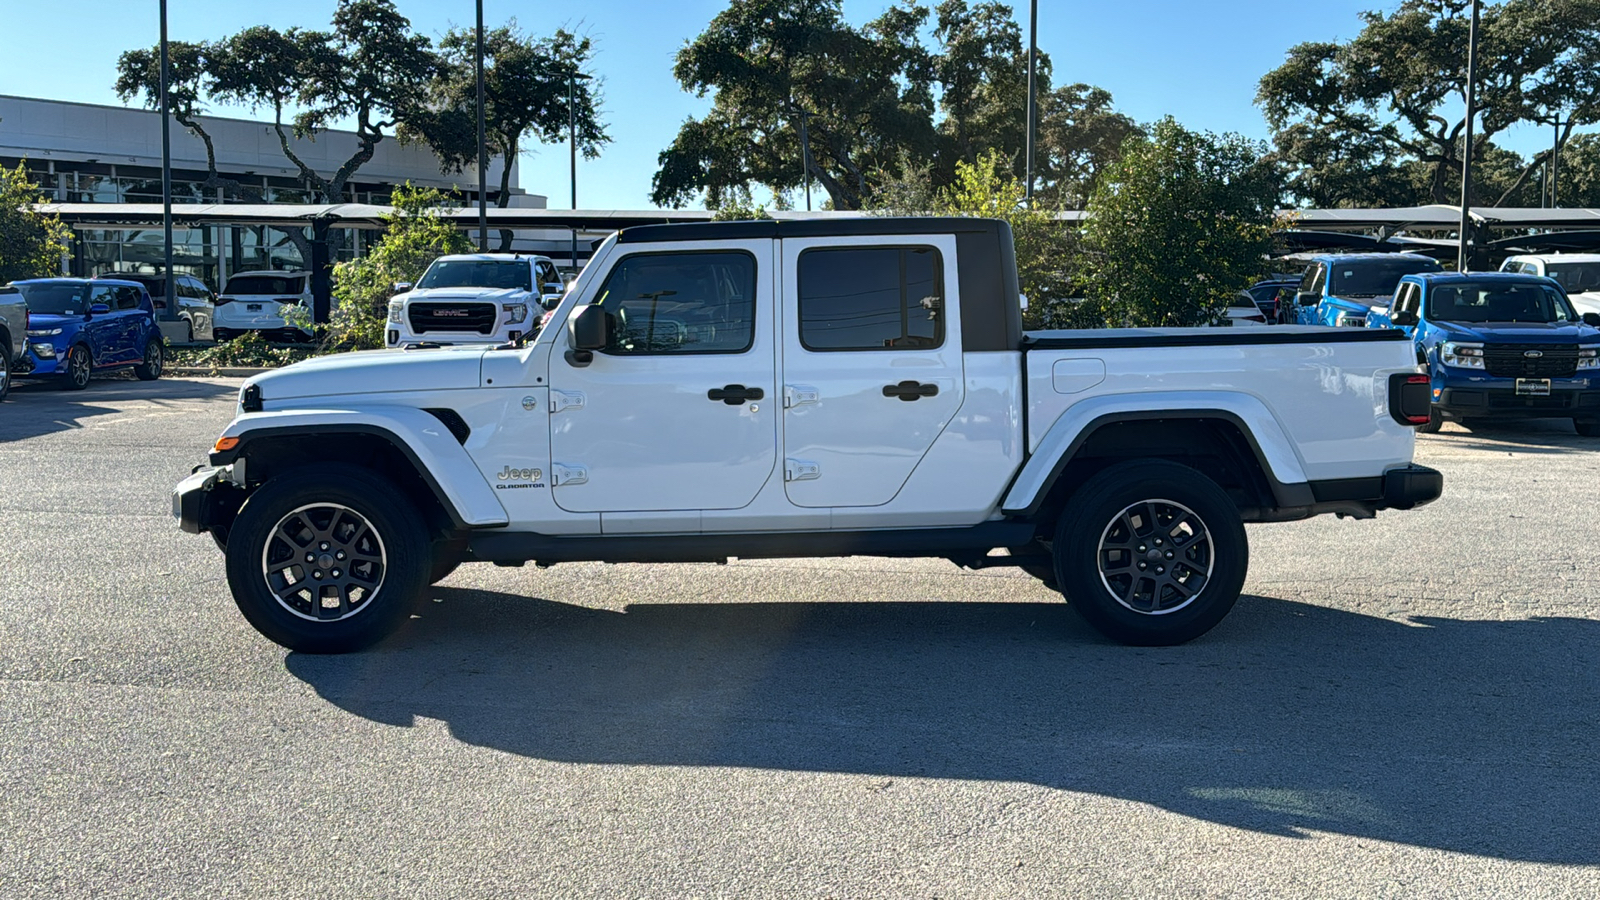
point(1197, 61)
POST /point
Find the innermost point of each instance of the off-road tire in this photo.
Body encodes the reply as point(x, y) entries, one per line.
point(403, 546)
point(1102, 512)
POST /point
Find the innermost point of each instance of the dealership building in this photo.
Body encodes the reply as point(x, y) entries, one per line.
point(110, 156)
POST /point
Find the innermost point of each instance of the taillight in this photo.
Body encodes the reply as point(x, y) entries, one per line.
point(221, 300)
point(1410, 398)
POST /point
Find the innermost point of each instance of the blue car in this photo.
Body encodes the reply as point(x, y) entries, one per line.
point(1498, 345)
point(78, 327)
point(1339, 289)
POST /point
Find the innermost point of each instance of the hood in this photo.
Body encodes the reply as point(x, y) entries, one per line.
point(45, 321)
point(375, 371)
point(1520, 332)
point(507, 295)
point(1357, 304)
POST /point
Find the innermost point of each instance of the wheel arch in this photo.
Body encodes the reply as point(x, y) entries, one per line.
point(1244, 451)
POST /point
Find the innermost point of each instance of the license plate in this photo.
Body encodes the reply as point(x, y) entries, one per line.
point(1533, 387)
point(253, 307)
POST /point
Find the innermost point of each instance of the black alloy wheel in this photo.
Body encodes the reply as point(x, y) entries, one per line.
point(80, 368)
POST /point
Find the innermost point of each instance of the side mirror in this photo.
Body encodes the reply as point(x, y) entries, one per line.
point(1404, 318)
point(550, 301)
point(591, 330)
point(400, 287)
point(1592, 319)
point(1308, 298)
point(553, 287)
point(98, 309)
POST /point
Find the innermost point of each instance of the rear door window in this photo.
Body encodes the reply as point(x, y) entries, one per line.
point(871, 298)
point(127, 297)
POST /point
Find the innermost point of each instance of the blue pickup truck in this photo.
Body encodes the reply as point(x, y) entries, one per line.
point(1339, 289)
point(1499, 346)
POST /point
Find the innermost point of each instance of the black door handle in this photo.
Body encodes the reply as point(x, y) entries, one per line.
point(735, 394)
point(910, 390)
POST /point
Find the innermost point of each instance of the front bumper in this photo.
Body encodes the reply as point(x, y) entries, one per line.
point(1504, 403)
point(205, 499)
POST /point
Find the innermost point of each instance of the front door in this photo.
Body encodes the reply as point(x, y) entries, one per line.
point(679, 411)
point(872, 364)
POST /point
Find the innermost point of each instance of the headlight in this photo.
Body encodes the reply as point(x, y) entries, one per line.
point(1463, 356)
point(1589, 357)
point(43, 332)
point(515, 312)
point(397, 310)
point(1355, 320)
point(45, 350)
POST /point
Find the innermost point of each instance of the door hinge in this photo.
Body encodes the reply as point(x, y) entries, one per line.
point(798, 394)
point(560, 475)
point(801, 470)
point(560, 400)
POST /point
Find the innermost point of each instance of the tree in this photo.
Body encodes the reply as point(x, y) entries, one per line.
point(188, 74)
point(864, 95)
point(1178, 226)
point(414, 236)
point(525, 88)
point(1578, 176)
point(1396, 92)
point(1079, 135)
point(31, 243)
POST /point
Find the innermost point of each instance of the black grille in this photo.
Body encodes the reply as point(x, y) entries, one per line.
point(477, 318)
point(1513, 361)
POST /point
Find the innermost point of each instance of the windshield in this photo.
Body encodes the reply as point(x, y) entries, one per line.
point(482, 273)
point(1375, 277)
point(60, 298)
point(1498, 303)
point(1577, 278)
point(262, 284)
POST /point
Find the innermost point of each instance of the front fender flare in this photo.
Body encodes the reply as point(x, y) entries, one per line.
point(439, 458)
point(1273, 448)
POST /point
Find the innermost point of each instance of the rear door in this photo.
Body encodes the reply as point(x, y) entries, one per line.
point(678, 412)
point(872, 365)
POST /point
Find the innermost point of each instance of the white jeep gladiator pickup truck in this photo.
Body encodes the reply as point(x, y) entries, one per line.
point(473, 298)
point(804, 388)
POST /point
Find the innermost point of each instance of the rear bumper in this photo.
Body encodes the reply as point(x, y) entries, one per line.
point(1403, 487)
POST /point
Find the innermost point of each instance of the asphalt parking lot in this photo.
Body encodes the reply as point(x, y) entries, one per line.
point(1397, 708)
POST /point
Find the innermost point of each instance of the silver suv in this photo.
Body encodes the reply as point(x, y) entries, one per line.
point(13, 333)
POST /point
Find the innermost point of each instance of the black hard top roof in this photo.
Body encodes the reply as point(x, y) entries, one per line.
point(831, 227)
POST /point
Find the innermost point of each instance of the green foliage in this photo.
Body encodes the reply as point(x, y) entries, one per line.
point(526, 86)
point(31, 243)
point(416, 235)
point(1177, 227)
point(1365, 121)
point(873, 99)
point(1578, 178)
point(248, 350)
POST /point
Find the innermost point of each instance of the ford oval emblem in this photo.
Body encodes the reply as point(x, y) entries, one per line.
point(1533, 354)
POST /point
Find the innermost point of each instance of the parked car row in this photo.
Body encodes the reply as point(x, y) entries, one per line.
point(76, 327)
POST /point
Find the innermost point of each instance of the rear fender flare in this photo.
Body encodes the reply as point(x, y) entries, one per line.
point(1273, 449)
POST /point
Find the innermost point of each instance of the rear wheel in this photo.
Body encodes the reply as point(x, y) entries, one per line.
point(327, 560)
point(154, 359)
point(1587, 429)
point(5, 366)
point(1151, 553)
point(80, 367)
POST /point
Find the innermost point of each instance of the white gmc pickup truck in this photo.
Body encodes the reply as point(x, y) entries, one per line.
point(804, 388)
point(473, 298)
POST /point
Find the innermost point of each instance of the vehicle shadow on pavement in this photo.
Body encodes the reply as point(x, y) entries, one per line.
point(1538, 436)
point(40, 408)
point(1475, 737)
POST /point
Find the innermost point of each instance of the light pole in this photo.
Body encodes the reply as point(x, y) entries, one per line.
point(483, 149)
point(1463, 255)
point(805, 154)
point(1555, 161)
point(170, 311)
point(573, 76)
point(1033, 103)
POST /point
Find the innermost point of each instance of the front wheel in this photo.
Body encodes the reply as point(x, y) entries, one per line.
point(154, 358)
point(5, 367)
point(328, 559)
point(1587, 429)
point(1151, 553)
point(80, 367)
point(1435, 422)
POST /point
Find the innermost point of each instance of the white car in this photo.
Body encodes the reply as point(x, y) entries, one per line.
point(1578, 273)
point(472, 298)
point(255, 301)
point(805, 388)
